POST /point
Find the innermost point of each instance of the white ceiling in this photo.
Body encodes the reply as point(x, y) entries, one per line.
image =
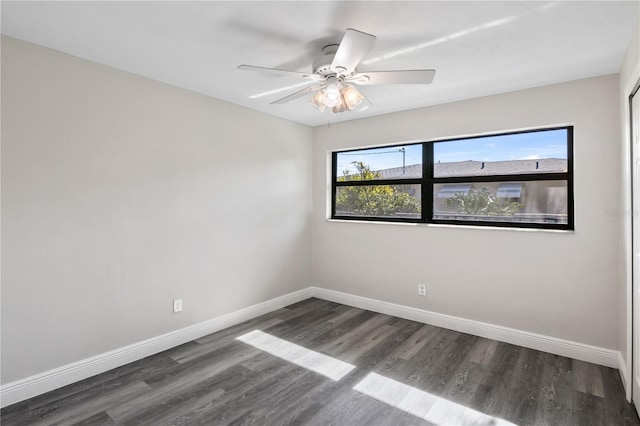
point(478, 48)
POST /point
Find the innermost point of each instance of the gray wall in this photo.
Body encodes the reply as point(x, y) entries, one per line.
point(564, 285)
point(121, 194)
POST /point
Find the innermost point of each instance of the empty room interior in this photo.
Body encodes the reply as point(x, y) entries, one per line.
point(320, 213)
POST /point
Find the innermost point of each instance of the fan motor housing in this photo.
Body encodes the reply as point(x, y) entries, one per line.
point(322, 65)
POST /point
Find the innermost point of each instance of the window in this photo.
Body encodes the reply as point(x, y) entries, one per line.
point(519, 179)
point(379, 183)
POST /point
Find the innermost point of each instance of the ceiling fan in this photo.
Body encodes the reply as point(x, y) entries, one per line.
point(335, 72)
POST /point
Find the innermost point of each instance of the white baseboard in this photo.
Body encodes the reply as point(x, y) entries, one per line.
point(626, 380)
point(49, 380)
point(580, 351)
point(38, 384)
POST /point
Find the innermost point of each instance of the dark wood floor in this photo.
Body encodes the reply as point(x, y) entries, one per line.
point(372, 369)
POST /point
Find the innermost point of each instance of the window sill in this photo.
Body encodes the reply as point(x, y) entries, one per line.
point(442, 225)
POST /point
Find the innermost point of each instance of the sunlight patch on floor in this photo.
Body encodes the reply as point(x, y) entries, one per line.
point(306, 358)
point(422, 404)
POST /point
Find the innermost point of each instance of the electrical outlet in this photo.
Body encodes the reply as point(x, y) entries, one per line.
point(422, 289)
point(177, 305)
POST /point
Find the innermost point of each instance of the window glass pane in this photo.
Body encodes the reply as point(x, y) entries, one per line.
point(397, 162)
point(384, 201)
point(450, 191)
point(514, 202)
point(532, 152)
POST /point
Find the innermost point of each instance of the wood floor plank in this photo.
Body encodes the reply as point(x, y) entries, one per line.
point(520, 407)
point(483, 351)
point(324, 329)
point(464, 383)
point(203, 349)
point(235, 386)
point(238, 404)
point(589, 410)
point(286, 398)
point(178, 410)
point(347, 411)
point(303, 323)
point(330, 332)
point(416, 342)
point(365, 343)
point(444, 367)
point(223, 336)
point(382, 359)
point(419, 367)
point(344, 341)
point(100, 419)
point(184, 404)
point(401, 418)
point(587, 378)
point(367, 411)
point(616, 409)
point(321, 400)
point(217, 360)
point(83, 391)
point(555, 402)
point(418, 372)
point(101, 401)
point(179, 379)
point(345, 316)
point(499, 372)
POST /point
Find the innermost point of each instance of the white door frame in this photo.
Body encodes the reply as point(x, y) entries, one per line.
point(626, 368)
point(633, 113)
point(626, 358)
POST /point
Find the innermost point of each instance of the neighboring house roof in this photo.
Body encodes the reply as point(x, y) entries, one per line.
point(408, 172)
point(478, 168)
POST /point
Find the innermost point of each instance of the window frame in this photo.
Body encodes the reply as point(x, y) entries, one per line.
point(427, 182)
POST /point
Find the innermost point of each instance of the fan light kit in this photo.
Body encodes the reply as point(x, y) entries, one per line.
point(338, 96)
point(335, 72)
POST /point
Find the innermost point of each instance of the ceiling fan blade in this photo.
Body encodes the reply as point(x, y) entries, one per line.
point(354, 45)
point(393, 77)
point(298, 94)
point(277, 71)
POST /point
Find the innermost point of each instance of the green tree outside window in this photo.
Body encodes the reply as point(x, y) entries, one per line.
point(372, 200)
point(482, 203)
